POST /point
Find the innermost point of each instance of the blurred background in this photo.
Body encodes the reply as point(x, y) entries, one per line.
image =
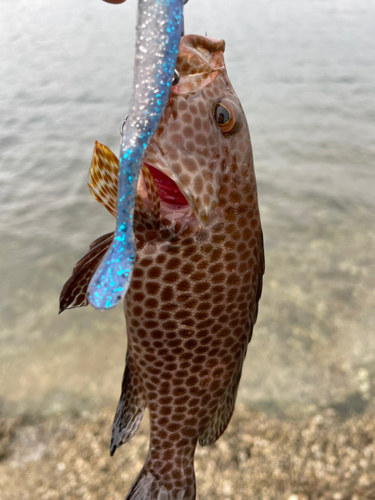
point(304, 71)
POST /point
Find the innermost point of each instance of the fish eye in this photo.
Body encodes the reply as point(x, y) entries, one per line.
point(176, 77)
point(221, 114)
point(224, 114)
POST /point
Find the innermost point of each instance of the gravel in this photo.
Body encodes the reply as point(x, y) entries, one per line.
point(67, 457)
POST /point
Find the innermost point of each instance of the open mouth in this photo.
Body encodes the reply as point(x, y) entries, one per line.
point(168, 213)
point(168, 190)
point(161, 210)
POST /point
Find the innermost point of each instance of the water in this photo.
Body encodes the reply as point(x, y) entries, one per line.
point(305, 73)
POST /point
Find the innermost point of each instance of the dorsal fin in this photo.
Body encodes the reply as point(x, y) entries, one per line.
point(103, 177)
point(220, 419)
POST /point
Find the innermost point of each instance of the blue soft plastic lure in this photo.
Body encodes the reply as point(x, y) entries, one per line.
point(159, 28)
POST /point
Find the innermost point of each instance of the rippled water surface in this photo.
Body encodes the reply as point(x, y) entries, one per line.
point(305, 73)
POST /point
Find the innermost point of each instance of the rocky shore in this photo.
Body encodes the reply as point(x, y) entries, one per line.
point(66, 457)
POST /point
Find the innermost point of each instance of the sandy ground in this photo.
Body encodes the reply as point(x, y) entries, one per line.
point(67, 457)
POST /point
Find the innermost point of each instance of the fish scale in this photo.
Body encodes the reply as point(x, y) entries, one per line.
point(193, 298)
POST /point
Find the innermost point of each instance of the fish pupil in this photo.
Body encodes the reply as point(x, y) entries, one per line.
point(176, 77)
point(221, 114)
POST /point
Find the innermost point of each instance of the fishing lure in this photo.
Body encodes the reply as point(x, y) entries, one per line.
point(159, 29)
point(193, 297)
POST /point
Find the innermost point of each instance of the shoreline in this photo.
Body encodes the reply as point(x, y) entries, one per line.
point(320, 457)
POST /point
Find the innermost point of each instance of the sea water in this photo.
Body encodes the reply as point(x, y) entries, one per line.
point(305, 73)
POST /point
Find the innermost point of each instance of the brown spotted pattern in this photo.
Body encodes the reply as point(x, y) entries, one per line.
point(193, 298)
point(195, 150)
point(103, 177)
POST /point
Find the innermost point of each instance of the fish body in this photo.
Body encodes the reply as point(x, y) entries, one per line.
point(159, 28)
point(193, 297)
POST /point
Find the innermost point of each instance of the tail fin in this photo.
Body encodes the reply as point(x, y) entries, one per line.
point(151, 485)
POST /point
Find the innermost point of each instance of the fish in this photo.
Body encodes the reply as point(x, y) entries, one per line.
point(159, 29)
point(193, 298)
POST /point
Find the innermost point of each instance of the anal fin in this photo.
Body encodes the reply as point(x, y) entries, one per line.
point(130, 409)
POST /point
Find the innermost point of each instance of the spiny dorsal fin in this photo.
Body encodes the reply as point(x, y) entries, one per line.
point(103, 177)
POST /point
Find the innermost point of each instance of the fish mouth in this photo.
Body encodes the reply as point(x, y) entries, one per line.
point(168, 190)
point(168, 210)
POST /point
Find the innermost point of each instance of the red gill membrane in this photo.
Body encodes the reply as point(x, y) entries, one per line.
point(167, 189)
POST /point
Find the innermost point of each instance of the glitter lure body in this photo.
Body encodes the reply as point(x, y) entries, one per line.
point(159, 29)
point(193, 298)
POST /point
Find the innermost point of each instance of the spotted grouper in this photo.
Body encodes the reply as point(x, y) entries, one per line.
point(193, 297)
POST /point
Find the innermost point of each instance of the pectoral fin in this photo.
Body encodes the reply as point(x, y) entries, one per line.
point(103, 177)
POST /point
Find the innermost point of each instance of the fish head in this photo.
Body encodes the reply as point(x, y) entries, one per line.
point(201, 137)
point(197, 169)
